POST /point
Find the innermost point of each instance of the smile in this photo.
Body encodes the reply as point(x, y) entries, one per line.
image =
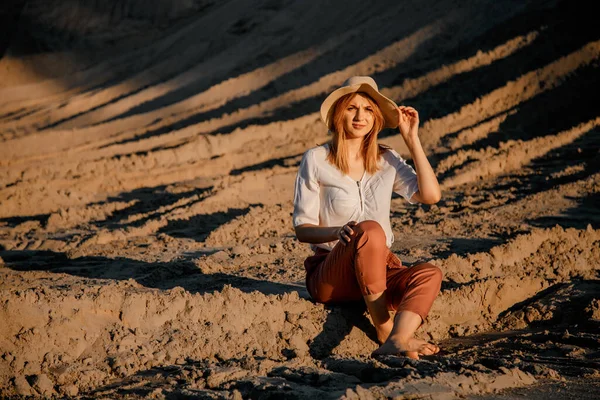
point(358, 126)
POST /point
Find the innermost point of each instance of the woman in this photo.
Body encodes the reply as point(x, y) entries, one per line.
point(342, 202)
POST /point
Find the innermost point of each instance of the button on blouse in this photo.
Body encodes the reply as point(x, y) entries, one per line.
point(325, 196)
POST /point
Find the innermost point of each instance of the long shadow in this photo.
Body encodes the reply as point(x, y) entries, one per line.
point(587, 212)
point(12, 222)
point(9, 18)
point(301, 77)
point(148, 201)
point(539, 295)
point(17, 114)
point(341, 319)
point(565, 29)
point(393, 368)
point(289, 161)
point(533, 17)
point(144, 381)
point(199, 227)
point(41, 29)
point(548, 171)
point(328, 62)
point(299, 109)
point(159, 275)
point(571, 310)
point(456, 86)
point(282, 381)
point(564, 107)
point(36, 34)
point(110, 82)
point(123, 74)
point(464, 246)
point(559, 36)
point(297, 78)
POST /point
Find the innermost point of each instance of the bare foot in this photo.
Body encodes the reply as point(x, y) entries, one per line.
point(411, 348)
point(384, 330)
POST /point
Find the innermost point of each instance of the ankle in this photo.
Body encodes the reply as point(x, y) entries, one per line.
point(399, 338)
point(383, 331)
point(387, 322)
point(382, 322)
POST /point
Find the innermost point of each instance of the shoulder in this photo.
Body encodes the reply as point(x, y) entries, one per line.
point(316, 154)
point(313, 160)
point(391, 156)
point(320, 150)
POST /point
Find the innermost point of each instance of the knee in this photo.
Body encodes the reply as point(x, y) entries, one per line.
point(435, 274)
point(438, 275)
point(372, 230)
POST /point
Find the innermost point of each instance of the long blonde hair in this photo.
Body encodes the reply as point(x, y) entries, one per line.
point(370, 149)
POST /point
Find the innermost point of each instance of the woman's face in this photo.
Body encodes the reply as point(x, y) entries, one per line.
point(358, 117)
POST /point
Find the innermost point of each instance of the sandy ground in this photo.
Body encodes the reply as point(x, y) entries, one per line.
point(147, 159)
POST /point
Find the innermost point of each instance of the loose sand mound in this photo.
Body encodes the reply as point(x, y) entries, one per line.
point(146, 178)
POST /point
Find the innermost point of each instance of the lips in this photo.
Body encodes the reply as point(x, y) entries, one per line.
point(358, 126)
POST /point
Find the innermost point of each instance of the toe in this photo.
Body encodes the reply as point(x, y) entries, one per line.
point(428, 349)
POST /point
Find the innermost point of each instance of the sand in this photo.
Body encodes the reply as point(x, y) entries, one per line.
point(147, 158)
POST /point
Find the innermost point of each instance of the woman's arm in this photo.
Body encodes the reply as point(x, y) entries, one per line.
point(309, 233)
point(429, 189)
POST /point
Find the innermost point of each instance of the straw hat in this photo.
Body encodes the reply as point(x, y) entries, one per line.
point(364, 84)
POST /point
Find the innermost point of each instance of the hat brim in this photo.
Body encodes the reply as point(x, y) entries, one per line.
point(388, 107)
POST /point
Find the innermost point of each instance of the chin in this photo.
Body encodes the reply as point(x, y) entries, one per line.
point(356, 135)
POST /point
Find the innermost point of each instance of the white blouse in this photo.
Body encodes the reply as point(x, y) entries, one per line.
point(325, 196)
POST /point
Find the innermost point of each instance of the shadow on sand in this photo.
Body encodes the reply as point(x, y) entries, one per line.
point(341, 319)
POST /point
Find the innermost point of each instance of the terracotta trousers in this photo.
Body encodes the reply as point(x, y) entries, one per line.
point(367, 266)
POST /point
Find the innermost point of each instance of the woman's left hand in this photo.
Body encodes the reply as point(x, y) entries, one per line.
point(408, 122)
point(429, 189)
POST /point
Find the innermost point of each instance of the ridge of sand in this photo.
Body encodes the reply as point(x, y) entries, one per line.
point(146, 244)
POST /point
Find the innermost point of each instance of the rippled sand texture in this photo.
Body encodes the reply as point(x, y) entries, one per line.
point(147, 157)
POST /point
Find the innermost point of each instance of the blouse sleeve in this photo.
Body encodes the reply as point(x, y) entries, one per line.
point(306, 192)
point(405, 183)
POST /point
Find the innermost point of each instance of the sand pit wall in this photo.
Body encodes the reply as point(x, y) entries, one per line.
point(89, 22)
point(100, 330)
point(482, 286)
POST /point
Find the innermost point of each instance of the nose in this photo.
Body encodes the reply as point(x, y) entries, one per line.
point(358, 116)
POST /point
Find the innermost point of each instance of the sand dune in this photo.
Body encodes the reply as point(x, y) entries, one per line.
point(147, 158)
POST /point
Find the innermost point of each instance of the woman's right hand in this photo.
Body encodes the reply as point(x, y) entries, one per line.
point(345, 233)
point(309, 233)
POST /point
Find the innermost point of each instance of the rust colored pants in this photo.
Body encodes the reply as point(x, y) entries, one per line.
point(367, 266)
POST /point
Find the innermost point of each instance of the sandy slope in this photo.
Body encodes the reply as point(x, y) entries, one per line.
point(145, 220)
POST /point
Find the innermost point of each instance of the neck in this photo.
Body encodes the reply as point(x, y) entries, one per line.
point(353, 147)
